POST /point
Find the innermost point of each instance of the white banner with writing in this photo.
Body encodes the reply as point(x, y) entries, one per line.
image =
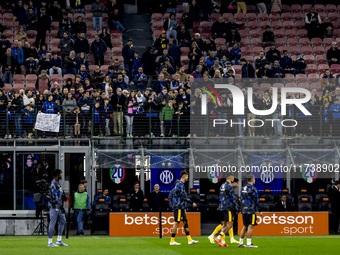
point(48, 122)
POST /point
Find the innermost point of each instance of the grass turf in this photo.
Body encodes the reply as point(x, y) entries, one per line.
point(100, 245)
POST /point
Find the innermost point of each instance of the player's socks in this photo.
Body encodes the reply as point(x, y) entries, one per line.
point(59, 238)
point(241, 241)
point(217, 229)
point(50, 240)
point(188, 236)
point(222, 235)
point(248, 241)
point(231, 233)
point(172, 238)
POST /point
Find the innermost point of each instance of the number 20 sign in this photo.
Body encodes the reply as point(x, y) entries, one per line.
point(117, 173)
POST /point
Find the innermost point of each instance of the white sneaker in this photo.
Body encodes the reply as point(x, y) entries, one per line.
point(6, 137)
point(162, 135)
point(192, 242)
point(251, 246)
point(174, 243)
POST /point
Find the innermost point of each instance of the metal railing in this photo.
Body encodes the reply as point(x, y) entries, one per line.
point(147, 125)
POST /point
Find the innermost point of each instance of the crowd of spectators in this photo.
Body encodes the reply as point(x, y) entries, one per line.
point(120, 97)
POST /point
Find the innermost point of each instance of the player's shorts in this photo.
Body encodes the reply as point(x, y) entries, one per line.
point(249, 219)
point(179, 215)
point(226, 216)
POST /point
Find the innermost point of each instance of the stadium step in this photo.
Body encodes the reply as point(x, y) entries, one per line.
point(139, 29)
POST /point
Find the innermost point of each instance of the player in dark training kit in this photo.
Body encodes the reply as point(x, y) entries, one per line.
point(249, 206)
point(227, 208)
point(178, 200)
point(57, 211)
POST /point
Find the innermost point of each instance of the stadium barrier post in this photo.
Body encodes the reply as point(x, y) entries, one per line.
point(68, 221)
point(121, 125)
point(160, 223)
point(293, 129)
point(92, 123)
point(264, 127)
point(320, 113)
point(7, 129)
point(35, 130)
point(150, 123)
point(64, 123)
point(207, 128)
point(178, 126)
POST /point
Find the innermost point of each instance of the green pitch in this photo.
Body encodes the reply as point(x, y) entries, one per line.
point(100, 245)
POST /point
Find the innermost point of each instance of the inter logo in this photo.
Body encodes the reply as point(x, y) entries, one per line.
point(166, 177)
point(267, 176)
